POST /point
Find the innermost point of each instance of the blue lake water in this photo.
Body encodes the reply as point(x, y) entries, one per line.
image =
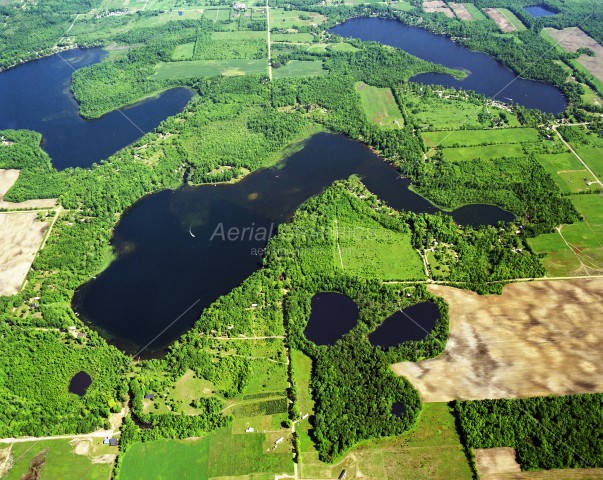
point(37, 96)
point(487, 76)
point(539, 11)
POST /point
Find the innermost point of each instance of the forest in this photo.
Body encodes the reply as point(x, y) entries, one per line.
point(546, 432)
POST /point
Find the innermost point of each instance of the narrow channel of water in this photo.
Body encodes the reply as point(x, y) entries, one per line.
point(487, 76)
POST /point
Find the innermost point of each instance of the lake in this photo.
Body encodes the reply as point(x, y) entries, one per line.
point(487, 76)
point(37, 96)
point(539, 11)
point(161, 269)
point(332, 315)
point(79, 383)
point(411, 324)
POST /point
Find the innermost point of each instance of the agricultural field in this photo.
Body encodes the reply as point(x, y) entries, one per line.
point(286, 19)
point(292, 37)
point(220, 454)
point(299, 68)
point(81, 458)
point(502, 18)
point(432, 450)
point(437, 6)
point(589, 148)
point(572, 39)
point(463, 154)
point(370, 247)
point(451, 111)
point(209, 68)
point(342, 47)
point(468, 138)
point(401, 5)
point(460, 10)
point(567, 171)
point(517, 344)
point(512, 19)
point(380, 106)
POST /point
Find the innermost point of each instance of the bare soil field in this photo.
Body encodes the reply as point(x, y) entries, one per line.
point(537, 338)
point(491, 462)
point(461, 11)
point(20, 236)
point(500, 20)
point(571, 39)
point(566, 474)
point(7, 180)
point(437, 6)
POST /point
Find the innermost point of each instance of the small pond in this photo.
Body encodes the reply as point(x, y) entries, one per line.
point(412, 323)
point(332, 316)
point(398, 409)
point(79, 383)
point(539, 11)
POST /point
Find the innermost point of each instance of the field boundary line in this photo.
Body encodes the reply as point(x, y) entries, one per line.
point(577, 156)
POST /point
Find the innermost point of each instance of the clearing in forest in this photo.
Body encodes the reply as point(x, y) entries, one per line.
point(460, 10)
point(537, 338)
point(437, 6)
point(467, 138)
point(431, 450)
point(300, 68)
point(209, 68)
point(61, 458)
point(500, 19)
point(575, 249)
point(571, 39)
point(380, 105)
point(491, 462)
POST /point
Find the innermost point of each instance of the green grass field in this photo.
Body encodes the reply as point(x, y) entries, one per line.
point(484, 152)
point(432, 450)
point(449, 113)
point(342, 47)
point(60, 460)
point(380, 105)
point(317, 48)
point(184, 51)
point(403, 6)
point(468, 138)
point(299, 68)
point(220, 454)
point(292, 37)
point(584, 254)
point(284, 19)
point(513, 20)
point(475, 12)
point(239, 35)
point(302, 367)
point(592, 153)
point(372, 249)
point(209, 68)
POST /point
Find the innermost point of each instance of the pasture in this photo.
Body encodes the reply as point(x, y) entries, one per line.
point(500, 19)
point(512, 19)
point(431, 450)
point(468, 138)
point(209, 68)
point(380, 106)
point(575, 249)
point(567, 172)
point(370, 248)
point(219, 454)
point(286, 19)
point(462, 154)
point(451, 111)
point(571, 39)
point(82, 459)
point(537, 338)
point(299, 68)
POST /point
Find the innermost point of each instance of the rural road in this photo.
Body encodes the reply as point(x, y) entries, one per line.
point(268, 37)
point(578, 157)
